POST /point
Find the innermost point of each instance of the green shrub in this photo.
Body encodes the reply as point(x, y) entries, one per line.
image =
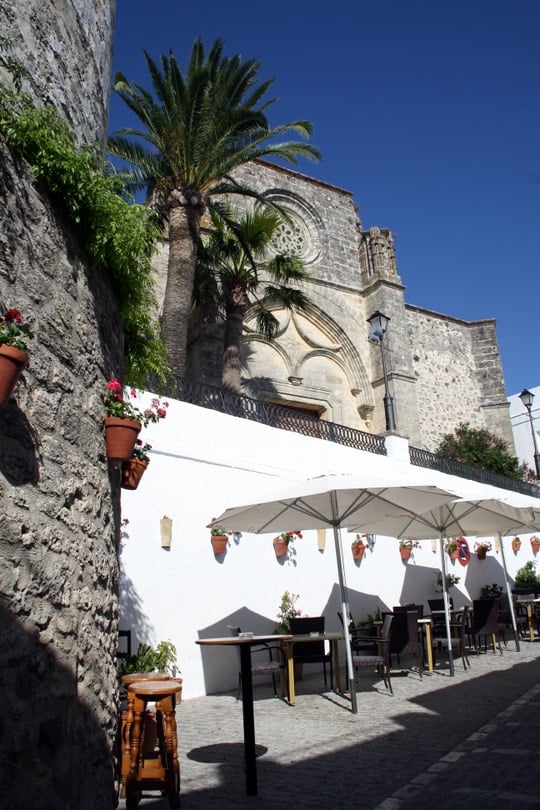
point(526, 576)
point(161, 659)
point(483, 449)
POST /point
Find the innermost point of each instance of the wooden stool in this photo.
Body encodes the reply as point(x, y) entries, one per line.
point(161, 769)
point(148, 729)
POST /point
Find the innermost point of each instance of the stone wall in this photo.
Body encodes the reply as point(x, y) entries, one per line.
point(59, 500)
point(67, 47)
point(58, 580)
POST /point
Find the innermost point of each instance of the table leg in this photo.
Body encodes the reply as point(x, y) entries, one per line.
point(530, 620)
point(335, 659)
point(290, 670)
point(249, 721)
point(429, 647)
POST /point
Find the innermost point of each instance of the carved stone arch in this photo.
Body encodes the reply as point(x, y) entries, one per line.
point(302, 338)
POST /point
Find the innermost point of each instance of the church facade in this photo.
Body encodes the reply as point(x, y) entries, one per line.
point(441, 370)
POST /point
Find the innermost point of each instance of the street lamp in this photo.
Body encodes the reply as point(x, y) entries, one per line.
point(378, 323)
point(527, 399)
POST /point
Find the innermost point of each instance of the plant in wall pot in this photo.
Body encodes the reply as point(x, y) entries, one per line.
point(14, 336)
point(123, 420)
point(358, 547)
point(535, 544)
point(406, 547)
point(516, 544)
point(133, 470)
point(482, 547)
point(218, 539)
point(281, 542)
point(452, 549)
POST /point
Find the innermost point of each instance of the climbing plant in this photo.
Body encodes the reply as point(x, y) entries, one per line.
point(482, 449)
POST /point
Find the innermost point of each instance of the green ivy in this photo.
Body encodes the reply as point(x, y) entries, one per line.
point(118, 235)
point(481, 448)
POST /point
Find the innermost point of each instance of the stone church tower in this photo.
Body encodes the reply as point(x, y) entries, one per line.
point(441, 370)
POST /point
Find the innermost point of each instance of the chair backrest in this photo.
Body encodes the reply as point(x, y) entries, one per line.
point(485, 616)
point(438, 604)
point(308, 649)
point(404, 631)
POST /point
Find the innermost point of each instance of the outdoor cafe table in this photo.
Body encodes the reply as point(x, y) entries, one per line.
point(288, 645)
point(245, 643)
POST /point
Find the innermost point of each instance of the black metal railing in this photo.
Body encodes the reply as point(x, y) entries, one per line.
point(423, 458)
point(267, 413)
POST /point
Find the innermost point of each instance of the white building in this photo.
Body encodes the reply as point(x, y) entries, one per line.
point(204, 461)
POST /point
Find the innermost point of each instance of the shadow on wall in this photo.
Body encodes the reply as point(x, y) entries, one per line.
point(483, 572)
point(221, 664)
point(132, 616)
point(18, 440)
point(54, 751)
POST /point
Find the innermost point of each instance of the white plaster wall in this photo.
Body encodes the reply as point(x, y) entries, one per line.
point(203, 462)
point(521, 426)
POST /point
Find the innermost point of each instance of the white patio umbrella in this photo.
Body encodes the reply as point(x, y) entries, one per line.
point(335, 501)
point(452, 519)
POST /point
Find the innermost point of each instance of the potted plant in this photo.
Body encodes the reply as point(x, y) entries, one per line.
point(281, 542)
point(406, 546)
point(526, 577)
point(516, 545)
point(482, 547)
point(219, 539)
point(14, 334)
point(452, 549)
point(133, 470)
point(123, 420)
point(493, 591)
point(451, 579)
point(358, 547)
point(535, 544)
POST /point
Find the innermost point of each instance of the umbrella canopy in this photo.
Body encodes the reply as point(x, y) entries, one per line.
point(333, 501)
point(455, 518)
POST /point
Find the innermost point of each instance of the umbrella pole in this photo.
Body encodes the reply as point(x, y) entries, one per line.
point(446, 606)
point(509, 594)
point(345, 610)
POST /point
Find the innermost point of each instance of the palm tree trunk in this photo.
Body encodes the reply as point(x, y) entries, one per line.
point(235, 307)
point(184, 228)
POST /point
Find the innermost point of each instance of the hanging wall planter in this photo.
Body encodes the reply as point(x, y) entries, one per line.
point(535, 545)
point(358, 551)
point(280, 547)
point(120, 437)
point(516, 545)
point(132, 472)
point(12, 363)
point(405, 552)
point(219, 543)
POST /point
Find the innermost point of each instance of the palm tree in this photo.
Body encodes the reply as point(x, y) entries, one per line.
point(197, 128)
point(237, 267)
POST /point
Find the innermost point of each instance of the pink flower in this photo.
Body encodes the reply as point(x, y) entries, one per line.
point(114, 385)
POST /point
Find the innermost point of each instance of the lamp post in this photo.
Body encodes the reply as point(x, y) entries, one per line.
point(527, 398)
point(378, 323)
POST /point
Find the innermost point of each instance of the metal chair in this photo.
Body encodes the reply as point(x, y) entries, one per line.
point(273, 666)
point(407, 636)
point(457, 641)
point(311, 652)
point(379, 657)
point(485, 620)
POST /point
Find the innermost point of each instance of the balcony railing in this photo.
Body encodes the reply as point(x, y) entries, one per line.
point(422, 458)
point(216, 399)
point(266, 413)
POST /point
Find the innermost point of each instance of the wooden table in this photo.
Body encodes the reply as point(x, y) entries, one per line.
point(245, 644)
point(288, 645)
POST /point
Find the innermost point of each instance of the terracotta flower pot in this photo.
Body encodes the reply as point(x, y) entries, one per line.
point(120, 437)
point(280, 547)
point(481, 553)
point(219, 544)
point(405, 552)
point(358, 552)
point(132, 472)
point(12, 363)
point(535, 545)
point(516, 545)
point(453, 554)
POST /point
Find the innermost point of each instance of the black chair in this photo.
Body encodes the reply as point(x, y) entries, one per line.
point(407, 636)
point(484, 624)
point(355, 635)
point(379, 654)
point(311, 652)
point(274, 664)
point(457, 640)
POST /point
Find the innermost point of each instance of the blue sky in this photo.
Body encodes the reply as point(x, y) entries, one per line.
point(426, 110)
